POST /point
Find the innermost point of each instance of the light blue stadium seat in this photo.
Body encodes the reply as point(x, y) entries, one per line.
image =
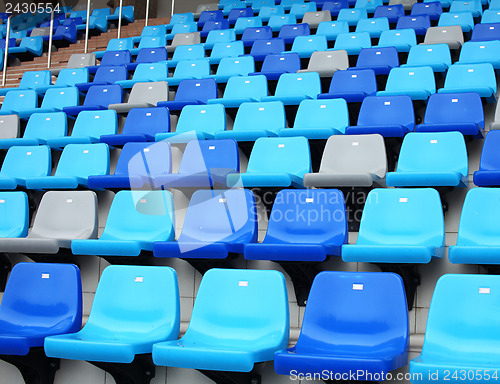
point(17, 101)
point(127, 14)
point(255, 120)
point(460, 338)
point(187, 27)
point(245, 22)
point(179, 18)
point(126, 44)
point(342, 329)
point(217, 223)
point(151, 30)
point(331, 29)
point(250, 323)
point(480, 52)
point(478, 78)
point(266, 12)
point(334, 6)
point(461, 6)
point(137, 166)
point(416, 82)
point(369, 5)
point(463, 19)
point(54, 100)
point(354, 42)
point(141, 124)
point(275, 65)
point(299, 10)
point(134, 307)
point(275, 162)
point(401, 39)
point(278, 21)
point(88, 128)
point(242, 89)
point(40, 127)
point(287, 4)
point(146, 72)
point(489, 167)
point(187, 53)
point(236, 13)
point(436, 56)
point(197, 122)
point(68, 77)
point(306, 45)
point(399, 226)
point(477, 241)
point(491, 16)
point(98, 97)
point(193, 69)
point(352, 16)
point(31, 80)
point(152, 42)
point(461, 112)
point(21, 163)
point(15, 212)
point(135, 221)
point(233, 67)
point(319, 119)
point(76, 164)
point(219, 36)
point(191, 92)
point(204, 164)
point(374, 26)
point(292, 88)
point(381, 60)
point(445, 162)
point(222, 50)
point(235, 4)
point(352, 85)
point(258, 5)
point(32, 46)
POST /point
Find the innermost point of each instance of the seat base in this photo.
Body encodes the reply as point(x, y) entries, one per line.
point(140, 371)
point(35, 367)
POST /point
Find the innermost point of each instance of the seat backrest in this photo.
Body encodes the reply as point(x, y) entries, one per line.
point(414, 22)
point(392, 12)
point(252, 34)
point(27, 161)
point(142, 301)
point(309, 43)
point(33, 79)
point(449, 328)
point(367, 313)
point(471, 76)
point(269, 116)
point(72, 76)
point(186, 39)
point(236, 66)
point(278, 21)
point(352, 15)
point(490, 161)
point(150, 72)
point(280, 154)
point(154, 30)
point(207, 7)
point(429, 54)
point(115, 58)
point(103, 95)
point(144, 159)
point(33, 43)
point(66, 215)
point(189, 52)
point(9, 126)
point(356, 80)
point(334, 6)
point(18, 100)
point(247, 306)
point(220, 216)
point(221, 36)
point(286, 62)
point(324, 113)
point(212, 156)
point(192, 69)
point(491, 16)
point(308, 84)
point(266, 47)
point(245, 22)
point(230, 49)
point(202, 118)
point(436, 35)
point(43, 31)
point(83, 160)
point(80, 60)
point(398, 37)
point(486, 32)
point(236, 13)
point(183, 28)
point(354, 154)
point(464, 19)
point(45, 296)
point(210, 15)
point(290, 31)
point(411, 78)
point(46, 125)
point(454, 108)
point(373, 57)
point(15, 212)
point(61, 97)
point(331, 29)
point(402, 216)
point(433, 8)
point(479, 52)
point(215, 25)
point(246, 86)
point(140, 216)
point(387, 110)
point(353, 40)
point(95, 123)
point(322, 218)
point(444, 152)
point(120, 44)
point(151, 55)
point(110, 74)
point(196, 89)
point(300, 10)
point(374, 25)
point(149, 121)
point(150, 92)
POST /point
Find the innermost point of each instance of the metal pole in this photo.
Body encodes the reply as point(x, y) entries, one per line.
point(7, 37)
point(87, 27)
point(49, 53)
point(147, 13)
point(120, 19)
point(173, 6)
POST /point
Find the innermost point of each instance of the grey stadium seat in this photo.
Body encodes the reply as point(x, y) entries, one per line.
point(326, 63)
point(205, 7)
point(42, 31)
point(61, 217)
point(452, 35)
point(351, 161)
point(143, 95)
point(78, 60)
point(314, 18)
point(407, 4)
point(9, 126)
point(184, 39)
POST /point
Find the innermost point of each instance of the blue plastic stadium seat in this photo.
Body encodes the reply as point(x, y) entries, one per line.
point(306, 45)
point(236, 13)
point(146, 72)
point(219, 36)
point(275, 65)
point(352, 85)
point(88, 128)
point(261, 48)
point(374, 26)
point(233, 67)
point(461, 112)
point(416, 82)
point(399, 226)
point(300, 239)
point(98, 98)
point(277, 21)
point(218, 222)
point(331, 29)
point(475, 245)
point(266, 12)
point(401, 39)
point(334, 6)
point(209, 16)
point(137, 165)
point(489, 166)
point(213, 26)
point(15, 212)
point(126, 44)
point(381, 60)
point(40, 127)
point(290, 32)
point(21, 163)
point(204, 164)
point(389, 116)
point(46, 299)
point(187, 53)
point(222, 50)
point(319, 119)
point(112, 58)
point(129, 295)
point(342, 330)
point(287, 4)
point(436, 56)
point(235, 4)
point(275, 162)
point(245, 22)
point(460, 338)
point(15, 102)
point(191, 92)
point(352, 16)
point(391, 12)
point(127, 14)
point(252, 34)
point(480, 52)
point(197, 122)
point(250, 322)
point(148, 55)
point(292, 88)
point(152, 30)
point(445, 162)
point(479, 78)
point(55, 99)
point(193, 69)
point(29, 45)
point(188, 27)
point(152, 42)
point(418, 23)
point(433, 10)
point(255, 120)
point(67, 77)
point(486, 32)
point(463, 19)
point(31, 80)
point(462, 6)
point(354, 42)
point(242, 89)
point(65, 34)
point(135, 221)
point(183, 18)
point(76, 164)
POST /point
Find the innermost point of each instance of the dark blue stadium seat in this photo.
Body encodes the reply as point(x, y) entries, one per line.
point(392, 12)
point(191, 92)
point(335, 6)
point(488, 174)
point(486, 32)
point(432, 9)
point(113, 58)
point(352, 85)
point(261, 48)
point(381, 60)
point(289, 32)
point(237, 13)
point(275, 65)
point(98, 97)
point(419, 23)
point(148, 55)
